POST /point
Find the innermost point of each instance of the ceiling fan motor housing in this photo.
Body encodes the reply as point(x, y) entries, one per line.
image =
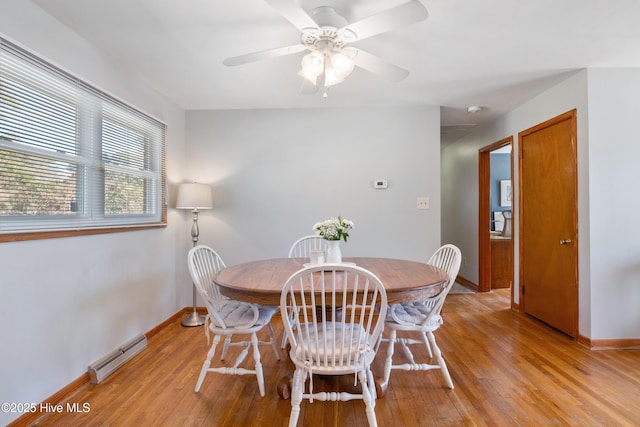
point(330, 34)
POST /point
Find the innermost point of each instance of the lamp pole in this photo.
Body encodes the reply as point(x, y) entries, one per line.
point(194, 319)
point(195, 197)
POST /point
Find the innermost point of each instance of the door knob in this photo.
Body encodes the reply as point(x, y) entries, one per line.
point(565, 241)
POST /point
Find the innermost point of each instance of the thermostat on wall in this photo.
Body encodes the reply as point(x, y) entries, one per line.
point(380, 183)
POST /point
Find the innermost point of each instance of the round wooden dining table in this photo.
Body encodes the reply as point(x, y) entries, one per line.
point(261, 281)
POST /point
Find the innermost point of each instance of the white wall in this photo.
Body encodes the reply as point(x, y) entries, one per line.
point(614, 153)
point(67, 302)
point(607, 103)
point(460, 165)
point(277, 172)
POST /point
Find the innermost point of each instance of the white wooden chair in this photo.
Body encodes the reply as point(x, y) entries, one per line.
point(424, 318)
point(227, 317)
point(302, 247)
point(333, 327)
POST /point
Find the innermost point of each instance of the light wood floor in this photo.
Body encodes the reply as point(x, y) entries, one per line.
point(508, 369)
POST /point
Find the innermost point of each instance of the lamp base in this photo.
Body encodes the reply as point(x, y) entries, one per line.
point(193, 319)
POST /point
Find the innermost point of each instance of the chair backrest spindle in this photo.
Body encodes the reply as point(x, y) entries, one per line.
point(302, 247)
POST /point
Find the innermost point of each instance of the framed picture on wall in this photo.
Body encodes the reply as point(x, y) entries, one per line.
point(505, 192)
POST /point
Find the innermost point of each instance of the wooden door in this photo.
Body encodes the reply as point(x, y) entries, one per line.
point(548, 223)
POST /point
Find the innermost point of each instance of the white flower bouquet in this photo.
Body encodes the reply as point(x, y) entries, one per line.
point(334, 228)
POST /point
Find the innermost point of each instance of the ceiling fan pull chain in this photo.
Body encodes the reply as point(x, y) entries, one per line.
point(324, 77)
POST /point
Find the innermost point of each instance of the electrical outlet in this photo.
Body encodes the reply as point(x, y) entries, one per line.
point(423, 203)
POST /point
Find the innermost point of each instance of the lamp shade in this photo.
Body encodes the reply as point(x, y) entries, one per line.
point(194, 196)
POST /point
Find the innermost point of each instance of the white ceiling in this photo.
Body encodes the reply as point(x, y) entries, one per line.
point(491, 53)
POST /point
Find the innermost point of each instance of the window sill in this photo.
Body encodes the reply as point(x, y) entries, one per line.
point(41, 235)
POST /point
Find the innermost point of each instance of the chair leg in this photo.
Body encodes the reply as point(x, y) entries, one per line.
point(369, 398)
point(225, 347)
point(272, 337)
point(388, 362)
point(425, 341)
point(372, 384)
point(207, 362)
point(441, 362)
point(296, 396)
point(256, 357)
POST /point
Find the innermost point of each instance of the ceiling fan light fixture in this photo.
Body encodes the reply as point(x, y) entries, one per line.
point(312, 64)
point(331, 77)
point(342, 64)
point(337, 67)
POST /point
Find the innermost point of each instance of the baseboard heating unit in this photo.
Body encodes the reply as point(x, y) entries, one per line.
point(104, 367)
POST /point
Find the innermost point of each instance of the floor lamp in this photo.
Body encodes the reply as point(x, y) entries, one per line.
point(195, 197)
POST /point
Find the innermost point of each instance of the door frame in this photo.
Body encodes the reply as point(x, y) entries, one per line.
point(484, 212)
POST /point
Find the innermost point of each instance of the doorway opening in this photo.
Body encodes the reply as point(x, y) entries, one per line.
point(495, 209)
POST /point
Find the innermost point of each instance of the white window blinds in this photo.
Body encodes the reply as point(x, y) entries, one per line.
point(71, 156)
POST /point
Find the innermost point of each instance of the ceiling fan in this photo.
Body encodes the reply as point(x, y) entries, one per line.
point(327, 36)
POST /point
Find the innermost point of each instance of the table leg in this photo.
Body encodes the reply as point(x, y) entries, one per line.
point(381, 387)
point(284, 388)
point(284, 383)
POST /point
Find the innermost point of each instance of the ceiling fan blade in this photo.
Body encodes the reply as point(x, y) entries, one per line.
point(378, 66)
point(265, 54)
point(405, 14)
point(293, 13)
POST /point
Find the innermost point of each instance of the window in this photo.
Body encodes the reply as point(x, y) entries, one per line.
point(72, 157)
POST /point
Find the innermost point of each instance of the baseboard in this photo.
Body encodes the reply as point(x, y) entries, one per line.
point(609, 344)
point(467, 283)
point(169, 321)
point(31, 417)
point(66, 392)
point(595, 345)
